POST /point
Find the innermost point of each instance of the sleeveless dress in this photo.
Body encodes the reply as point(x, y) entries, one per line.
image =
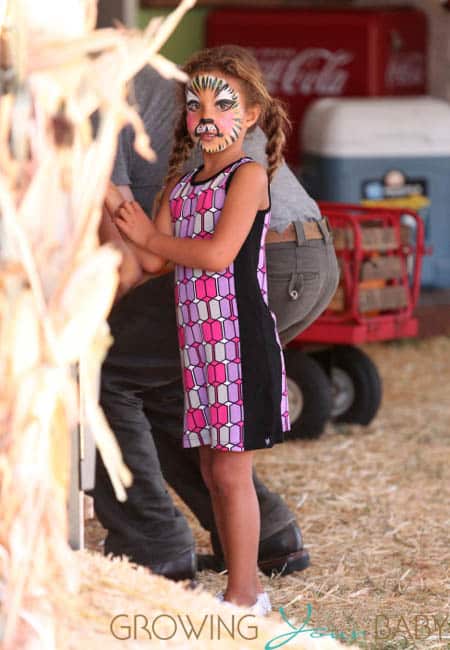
point(233, 366)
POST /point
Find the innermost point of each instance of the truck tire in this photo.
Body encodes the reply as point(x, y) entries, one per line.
point(309, 388)
point(356, 386)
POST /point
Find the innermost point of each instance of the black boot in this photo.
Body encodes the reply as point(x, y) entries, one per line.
point(181, 567)
point(281, 553)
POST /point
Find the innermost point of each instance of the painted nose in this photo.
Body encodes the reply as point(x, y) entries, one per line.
point(206, 126)
point(206, 115)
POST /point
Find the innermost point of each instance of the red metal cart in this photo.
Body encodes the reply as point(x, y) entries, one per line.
point(380, 253)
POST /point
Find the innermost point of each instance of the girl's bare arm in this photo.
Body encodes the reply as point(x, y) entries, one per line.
point(248, 193)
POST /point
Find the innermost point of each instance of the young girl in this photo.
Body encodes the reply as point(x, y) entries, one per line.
point(212, 224)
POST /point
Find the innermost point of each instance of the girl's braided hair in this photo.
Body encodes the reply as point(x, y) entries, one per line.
point(237, 62)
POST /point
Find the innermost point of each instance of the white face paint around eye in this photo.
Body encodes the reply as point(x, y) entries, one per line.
point(191, 98)
point(223, 123)
point(226, 95)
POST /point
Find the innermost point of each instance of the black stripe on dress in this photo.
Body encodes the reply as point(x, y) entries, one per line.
point(260, 352)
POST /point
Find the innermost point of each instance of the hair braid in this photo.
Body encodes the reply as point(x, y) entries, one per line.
point(181, 149)
point(276, 125)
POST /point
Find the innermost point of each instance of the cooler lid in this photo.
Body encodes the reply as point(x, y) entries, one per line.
point(395, 126)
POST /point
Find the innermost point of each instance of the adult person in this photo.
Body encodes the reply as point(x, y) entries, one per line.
point(141, 391)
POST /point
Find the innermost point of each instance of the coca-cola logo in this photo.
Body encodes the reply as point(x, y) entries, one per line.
point(405, 69)
point(312, 71)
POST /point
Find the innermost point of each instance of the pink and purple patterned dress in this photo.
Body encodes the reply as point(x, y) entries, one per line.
point(233, 368)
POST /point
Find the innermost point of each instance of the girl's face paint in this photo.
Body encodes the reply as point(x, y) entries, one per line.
point(214, 113)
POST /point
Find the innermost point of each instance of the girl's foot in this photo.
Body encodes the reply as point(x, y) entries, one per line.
point(262, 606)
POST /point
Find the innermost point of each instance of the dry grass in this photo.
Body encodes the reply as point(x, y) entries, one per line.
point(372, 503)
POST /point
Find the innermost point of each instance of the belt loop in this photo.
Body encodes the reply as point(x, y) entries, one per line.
point(299, 232)
point(324, 228)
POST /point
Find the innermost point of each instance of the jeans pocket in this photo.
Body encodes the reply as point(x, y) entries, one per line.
point(298, 282)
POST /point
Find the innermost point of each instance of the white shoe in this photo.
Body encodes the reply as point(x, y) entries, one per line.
point(263, 597)
point(263, 606)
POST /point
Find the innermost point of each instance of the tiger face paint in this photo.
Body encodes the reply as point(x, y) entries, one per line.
point(213, 113)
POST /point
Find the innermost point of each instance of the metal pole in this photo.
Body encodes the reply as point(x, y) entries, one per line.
point(82, 467)
point(75, 502)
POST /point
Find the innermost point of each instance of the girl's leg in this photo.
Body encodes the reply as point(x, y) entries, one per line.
point(206, 456)
point(234, 497)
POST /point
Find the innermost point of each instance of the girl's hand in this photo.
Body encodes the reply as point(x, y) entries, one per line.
point(132, 221)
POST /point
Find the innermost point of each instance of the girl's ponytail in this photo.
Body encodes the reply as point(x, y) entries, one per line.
point(182, 146)
point(276, 125)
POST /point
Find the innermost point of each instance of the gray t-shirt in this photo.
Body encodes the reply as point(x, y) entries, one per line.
point(156, 101)
point(156, 104)
point(290, 202)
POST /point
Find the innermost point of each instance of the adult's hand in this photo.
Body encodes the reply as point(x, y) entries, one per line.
point(114, 198)
point(130, 270)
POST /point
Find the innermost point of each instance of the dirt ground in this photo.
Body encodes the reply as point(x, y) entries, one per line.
point(373, 506)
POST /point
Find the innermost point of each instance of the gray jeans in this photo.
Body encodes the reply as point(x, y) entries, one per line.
point(302, 277)
point(142, 397)
point(141, 394)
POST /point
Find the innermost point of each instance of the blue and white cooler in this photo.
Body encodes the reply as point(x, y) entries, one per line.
point(393, 152)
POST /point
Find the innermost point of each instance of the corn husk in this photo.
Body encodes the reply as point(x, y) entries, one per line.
point(57, 284)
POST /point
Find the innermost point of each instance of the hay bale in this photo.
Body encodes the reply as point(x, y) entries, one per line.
point(126, 607)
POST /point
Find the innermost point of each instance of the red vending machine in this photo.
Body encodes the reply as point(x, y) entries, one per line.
point(307, 54)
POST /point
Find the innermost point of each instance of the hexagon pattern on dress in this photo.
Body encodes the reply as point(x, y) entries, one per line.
point(208, 324)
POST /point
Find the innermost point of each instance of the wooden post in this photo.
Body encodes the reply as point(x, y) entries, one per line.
point(82, 470)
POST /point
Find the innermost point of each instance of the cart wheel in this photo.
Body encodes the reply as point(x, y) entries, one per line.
point(310, 398)
point(356, 386)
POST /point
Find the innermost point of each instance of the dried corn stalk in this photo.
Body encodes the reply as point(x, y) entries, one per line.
point(56, 283)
